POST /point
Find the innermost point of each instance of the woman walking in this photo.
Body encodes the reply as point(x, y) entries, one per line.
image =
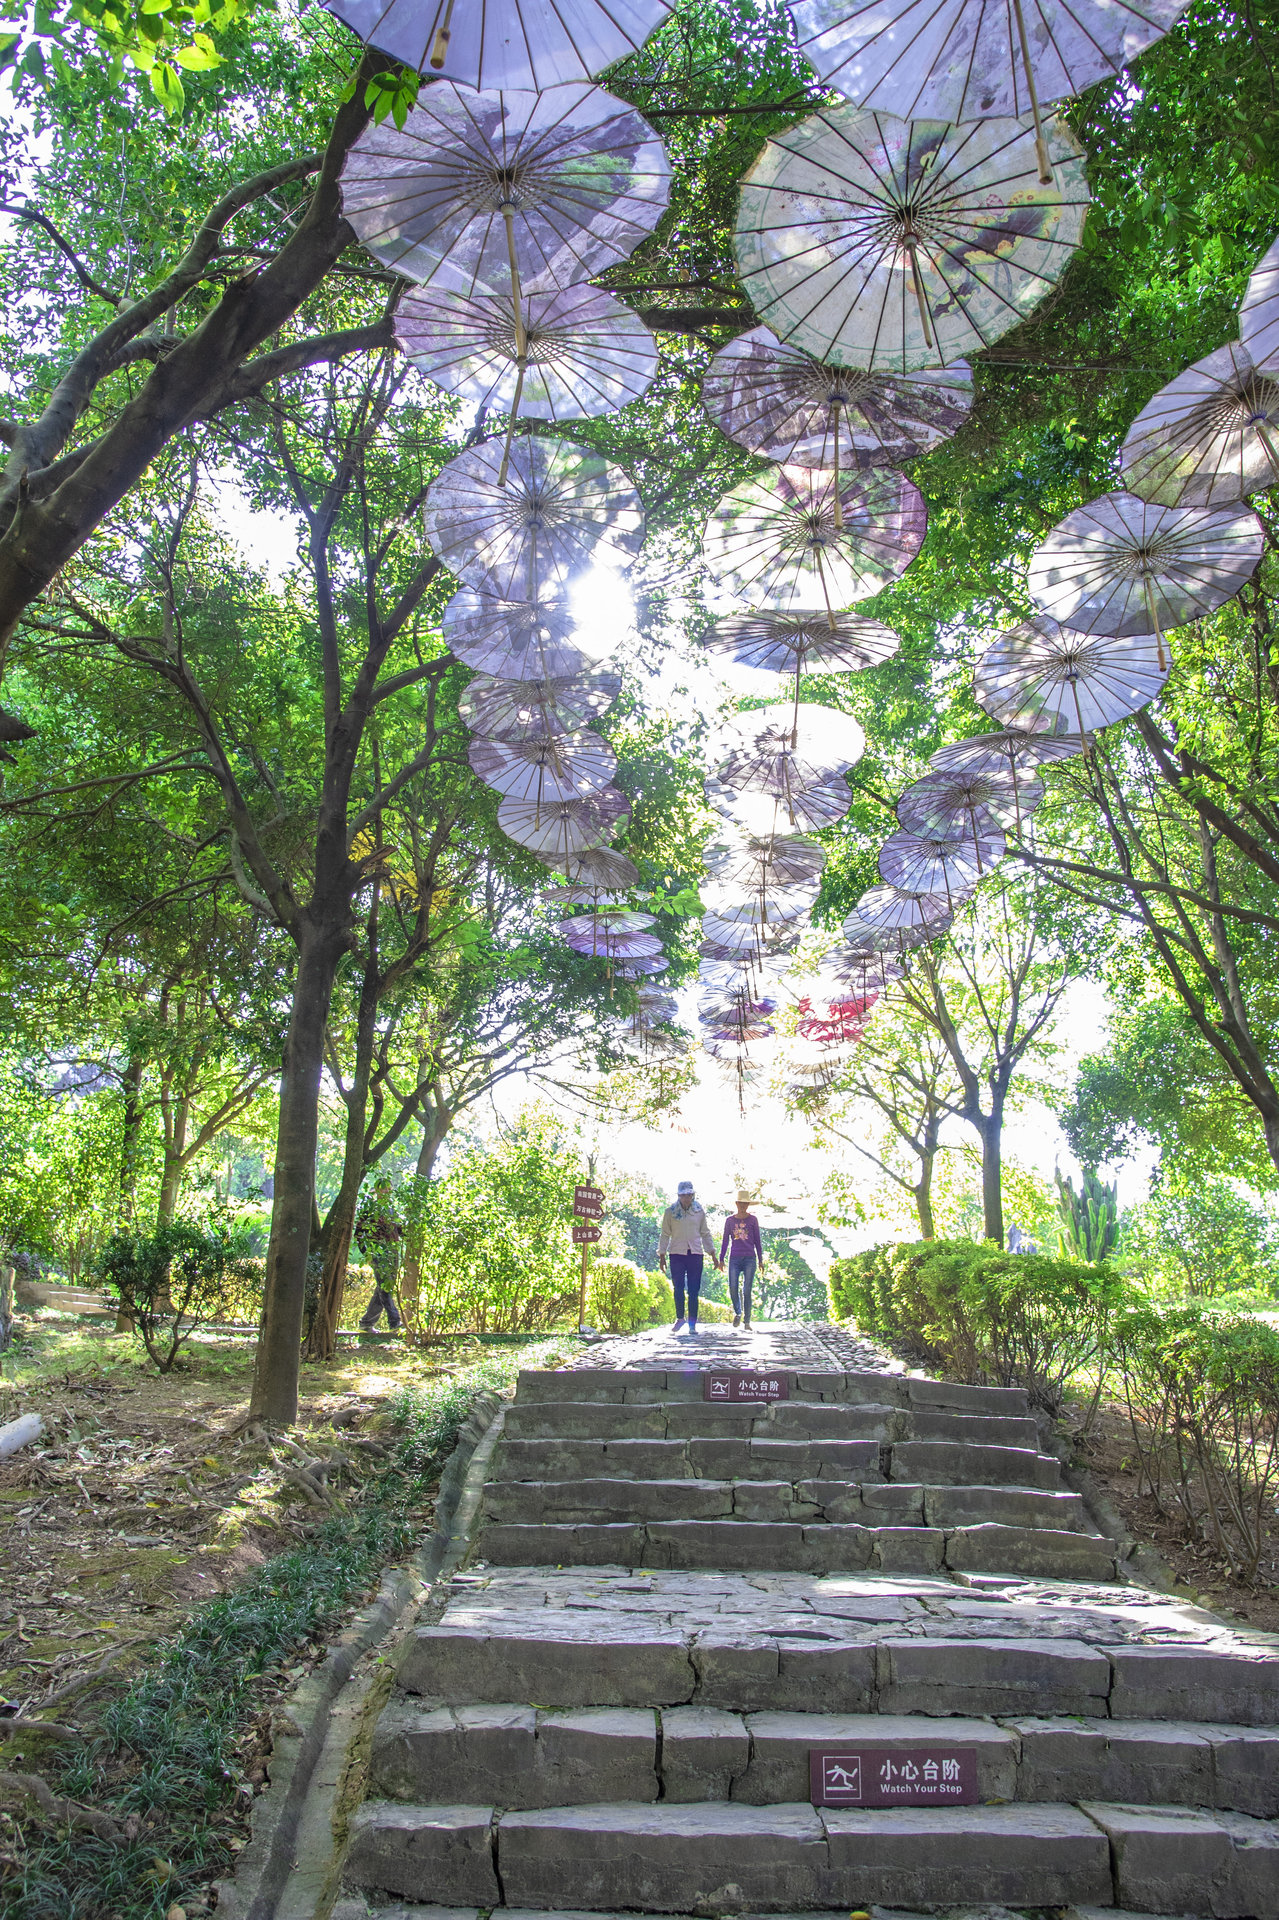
point(745, 1252)
point(684, 1234)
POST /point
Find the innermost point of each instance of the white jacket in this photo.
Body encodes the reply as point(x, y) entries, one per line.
point(685, 1232)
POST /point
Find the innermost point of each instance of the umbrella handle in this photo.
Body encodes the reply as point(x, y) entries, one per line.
point(517, 298)
point(1153, 612)
point(440, 44)
point(830, 611)
point(921, 298)
point(839, 509)
point(1041, 145)
point(510, 431)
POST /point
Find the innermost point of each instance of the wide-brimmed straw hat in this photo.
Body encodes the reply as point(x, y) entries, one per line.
point(743, 1197)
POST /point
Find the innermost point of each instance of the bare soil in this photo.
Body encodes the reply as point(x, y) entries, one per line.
point(1107, 1453)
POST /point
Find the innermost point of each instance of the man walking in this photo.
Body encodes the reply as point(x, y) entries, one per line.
point(685, 1236)
point(741, 1243)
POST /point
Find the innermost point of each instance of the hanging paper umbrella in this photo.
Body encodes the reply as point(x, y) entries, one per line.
point(566, 767)
point(535, 709)
point(893, 910)
point(507, 45)
point(593, 897)
point(739, 936)
point(833, 1022)
point(738, 971)
point(778, 541)
point(766, 907)
point(522, 639)
point(898, 244)
point(559, 829)
point(1043, 674)
point(791, 763)
point(794, 642)
point(933, 863)
point(581, 352)
point(775, 400)
point(968, 59)
point(1207, 439)
point(602, 867)
point(506, 192)
point(1121, 566)
point(641, 969)
point(560, 510)
point(1259, 314)
point(585, 935)
point(779, 859)
point(863, 974)
point(817, 806)
point(586, 930)
point(963, 804)
point(1014, 751)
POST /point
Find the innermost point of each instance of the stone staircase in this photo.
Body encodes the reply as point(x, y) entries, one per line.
point(673, 1604)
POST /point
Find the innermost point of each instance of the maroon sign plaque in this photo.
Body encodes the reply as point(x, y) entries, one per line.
point(932, 1776)
point(584, 1234)
point(759, 1389)
point(588, 1203)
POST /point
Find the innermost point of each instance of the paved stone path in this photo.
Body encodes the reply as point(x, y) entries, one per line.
point(673, 1604)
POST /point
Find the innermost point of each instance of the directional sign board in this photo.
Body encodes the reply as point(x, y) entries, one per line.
point(936, 1775)
point(760, 1389)
point(588, 1203)
point(584, 1233)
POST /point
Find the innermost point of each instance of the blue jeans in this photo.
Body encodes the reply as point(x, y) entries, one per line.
point(686, 1272)
point(741, 1269)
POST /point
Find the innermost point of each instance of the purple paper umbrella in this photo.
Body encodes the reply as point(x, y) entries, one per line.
point(932, 863)
point(1013, 751)
point(1259, 314)
point(522, 639)
point(1042, 674)
point(968, 805)
point(1209, 438)
point(522, 710)
point(560, 829)
point(795, 540)
point(566, 767)
point(507, 43)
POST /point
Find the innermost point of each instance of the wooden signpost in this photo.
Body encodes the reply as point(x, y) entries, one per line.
point(588, 1207)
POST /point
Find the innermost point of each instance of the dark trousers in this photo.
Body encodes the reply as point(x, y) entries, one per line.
point(686, 1273)
point(741, 1274)
point(383, 1301)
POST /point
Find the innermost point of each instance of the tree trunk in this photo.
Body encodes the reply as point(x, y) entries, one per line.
point(275, 1373)
point(924, 1205)
point(321, 1340)
point(991, 1129)
point(132, 1085)
point(174, 1162)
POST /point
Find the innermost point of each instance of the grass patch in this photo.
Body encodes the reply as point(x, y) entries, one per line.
point(166, 1761)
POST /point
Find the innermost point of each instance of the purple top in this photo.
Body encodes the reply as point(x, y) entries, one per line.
point(744, 1236)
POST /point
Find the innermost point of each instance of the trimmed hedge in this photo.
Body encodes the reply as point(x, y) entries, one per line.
point(974, 1312)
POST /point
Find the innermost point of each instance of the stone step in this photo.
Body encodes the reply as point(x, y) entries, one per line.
point(793, 1547)
point(558, 1502)
point(789, 1420)
point(746, 1457)
point(603, 1385)
point(523, 1756)
point(807, 1665)
point(727, 1857)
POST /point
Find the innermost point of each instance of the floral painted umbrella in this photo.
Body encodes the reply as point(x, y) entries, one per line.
point(1121, 566)
point(522, 639)
point(1041, 674)
point(507, 44)
point(869, 241)
point(1209, 438)
point(561, 510)
point(792, 642)
point(564, 767)
point(776, 400)
point(535, 709)
point(968, 59)
point(793, 540)
point(934, 863)
point(506, 192)
point(1259, 314)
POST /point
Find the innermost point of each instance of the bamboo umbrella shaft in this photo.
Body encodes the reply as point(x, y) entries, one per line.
point(839, 509)
point(517, 297)
point(1153, 612)
point(521, 365)
point(1041, 145)
point(972, 817)
point(443, 34)
point(830, 611)
point(1272, 452)
point(921, 296)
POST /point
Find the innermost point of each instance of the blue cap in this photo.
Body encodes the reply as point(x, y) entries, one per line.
point(685, 1186)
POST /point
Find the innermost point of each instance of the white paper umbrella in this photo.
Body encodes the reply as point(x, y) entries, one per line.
point(775, 400)
point(780, 749)
point(522, 639)
point(535, 709)
point(969, 59)
point(933, 863)
point(594, 934)
point(776, 859)
point(1044, 674)
point(1259, 314)
point(585, 352)
point(601, 866)
point(778, 542)
point(507, 44)
point(1121, 566)
point(502, 192)
point(967, 805)
point(561, 828)
point(566, 767)
point(817, 806)
point(892, 910)
point(766, 907)
point(862, 975)
point(1207, 439)
point(561, 510)
point(1013, 751)
point(799, 642)
point(897, 244)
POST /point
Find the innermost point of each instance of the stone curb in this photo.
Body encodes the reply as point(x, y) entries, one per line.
point(1137, 1562)
point(291, 1867)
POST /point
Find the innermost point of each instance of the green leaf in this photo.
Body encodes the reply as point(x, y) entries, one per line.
point(199, 56)
point(167, 87)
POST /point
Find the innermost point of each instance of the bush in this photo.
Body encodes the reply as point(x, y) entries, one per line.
point(621, 1297)
point(1201, 1388)
point(977, 1313)
point(172, 1281)
point(1202, 1240)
